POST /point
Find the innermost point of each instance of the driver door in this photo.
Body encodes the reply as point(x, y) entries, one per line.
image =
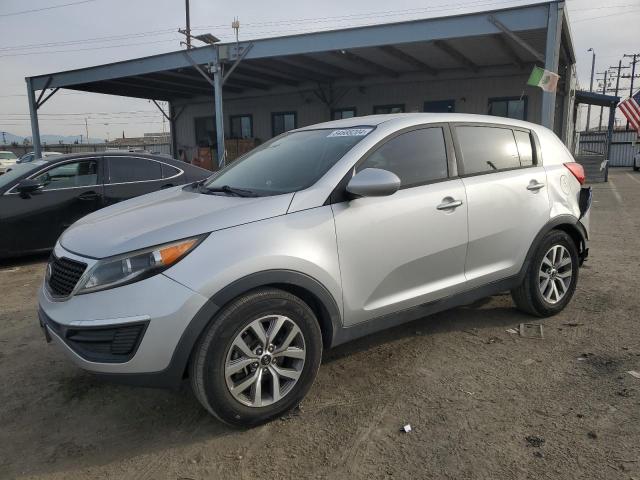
point(71, 190)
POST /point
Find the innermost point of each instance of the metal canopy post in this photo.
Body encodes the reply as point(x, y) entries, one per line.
point(612, 121)
point(551, 55)
point(217, 93)
point(33, 113)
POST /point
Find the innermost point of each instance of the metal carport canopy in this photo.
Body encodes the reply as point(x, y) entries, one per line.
point(519, 35)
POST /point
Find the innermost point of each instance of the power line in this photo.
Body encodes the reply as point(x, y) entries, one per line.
point(52, 7)
point(109, 38)
point(86, 49)
point(605, 16)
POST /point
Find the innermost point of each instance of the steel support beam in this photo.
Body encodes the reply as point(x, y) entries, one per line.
point(366, 63)
point(33, 113)
point(502, 27)
point(259, 75)
point(395, 52)
point(552, 54)
point(278, 66)
point(456, 55)
point(324, 67)
point(172, 127)
point(217, 93)
point(239, 59)
point(509, 51)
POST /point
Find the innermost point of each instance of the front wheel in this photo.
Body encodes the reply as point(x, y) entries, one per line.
point(551, 278)
point(258, 358)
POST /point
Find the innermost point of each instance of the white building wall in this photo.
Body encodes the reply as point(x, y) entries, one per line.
point(471, 95)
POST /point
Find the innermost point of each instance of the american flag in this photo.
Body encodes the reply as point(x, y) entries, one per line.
point(630, 108)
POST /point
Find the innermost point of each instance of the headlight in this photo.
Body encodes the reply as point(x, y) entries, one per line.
point(135, 266)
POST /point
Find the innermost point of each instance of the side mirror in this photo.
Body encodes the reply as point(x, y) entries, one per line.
point(28, 186)
point(373, 182)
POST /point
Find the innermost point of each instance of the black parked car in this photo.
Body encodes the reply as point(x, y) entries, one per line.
point(39, 199)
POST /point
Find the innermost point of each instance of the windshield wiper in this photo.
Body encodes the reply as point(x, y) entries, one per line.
point(239, 192)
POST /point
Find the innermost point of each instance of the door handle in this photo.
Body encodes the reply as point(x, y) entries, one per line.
point(88, 196)
point(534, 186)
point(449, 203)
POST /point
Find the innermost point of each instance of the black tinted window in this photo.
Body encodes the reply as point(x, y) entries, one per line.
point(486, 149)
point(69, 175)
point(169, 171)
point(133, 169)
point(523, 139)
point(283, 122)
point(417, 157)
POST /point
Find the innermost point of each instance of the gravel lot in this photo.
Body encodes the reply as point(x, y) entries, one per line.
point(483, 403)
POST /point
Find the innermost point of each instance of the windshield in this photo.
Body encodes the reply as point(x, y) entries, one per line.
point(288, 163)
point(17, 171)
point(7, 156)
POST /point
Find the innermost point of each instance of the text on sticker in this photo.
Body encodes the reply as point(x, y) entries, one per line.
point(350, 132)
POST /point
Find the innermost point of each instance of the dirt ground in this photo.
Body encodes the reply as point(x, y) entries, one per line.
point(472, 392)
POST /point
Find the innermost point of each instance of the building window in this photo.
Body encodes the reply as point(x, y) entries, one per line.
point(205, 131)
point(283, 122)
point(440, 106)
point(510, 107)
point(383, 109)
point(241, 126)
point(340, 113)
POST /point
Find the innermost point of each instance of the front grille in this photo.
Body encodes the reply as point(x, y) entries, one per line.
point(64, 274)
point(115, 344)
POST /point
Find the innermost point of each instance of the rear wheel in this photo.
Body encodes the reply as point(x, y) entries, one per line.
point(551, 278)
point(258, 358)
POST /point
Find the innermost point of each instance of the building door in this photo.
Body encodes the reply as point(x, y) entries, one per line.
point(440, 106)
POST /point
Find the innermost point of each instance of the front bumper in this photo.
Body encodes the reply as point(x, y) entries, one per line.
point(128, 330)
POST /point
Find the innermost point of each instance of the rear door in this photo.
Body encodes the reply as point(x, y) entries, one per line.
point(71, 190)
point(508, 202)
point(408, 248)
point(131, 176)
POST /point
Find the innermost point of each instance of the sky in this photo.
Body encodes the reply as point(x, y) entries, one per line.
point(45, 36)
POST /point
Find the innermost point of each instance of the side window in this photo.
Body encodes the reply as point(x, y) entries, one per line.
point(69, 175)
point(417, 157)
point(523, 139)
point(133, 169)
point(487, 149)
point(168, 171)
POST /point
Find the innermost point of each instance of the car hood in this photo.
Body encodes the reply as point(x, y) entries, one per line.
point(163, 217)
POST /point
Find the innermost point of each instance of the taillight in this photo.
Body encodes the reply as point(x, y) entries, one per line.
point(577, 170)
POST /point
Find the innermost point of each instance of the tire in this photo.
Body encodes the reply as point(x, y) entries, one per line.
point(528, 296)
point(635, 167)
point(232, 342)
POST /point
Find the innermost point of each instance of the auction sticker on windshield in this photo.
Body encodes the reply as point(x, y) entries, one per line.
point(350, 132)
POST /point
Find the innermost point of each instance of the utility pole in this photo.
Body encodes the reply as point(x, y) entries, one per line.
point(86, 128)
point(633, 74)
point(604, 91)
point(4, 138)
point(593, 64)
point(187, 31)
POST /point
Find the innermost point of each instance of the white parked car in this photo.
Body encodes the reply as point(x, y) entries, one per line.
point(7, 160)
point(30, 157)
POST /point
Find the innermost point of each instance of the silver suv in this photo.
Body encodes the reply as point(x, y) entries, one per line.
point(319, 236)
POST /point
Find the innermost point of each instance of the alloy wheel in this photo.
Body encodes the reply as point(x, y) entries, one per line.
point(265, 361)
point(555, 274)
